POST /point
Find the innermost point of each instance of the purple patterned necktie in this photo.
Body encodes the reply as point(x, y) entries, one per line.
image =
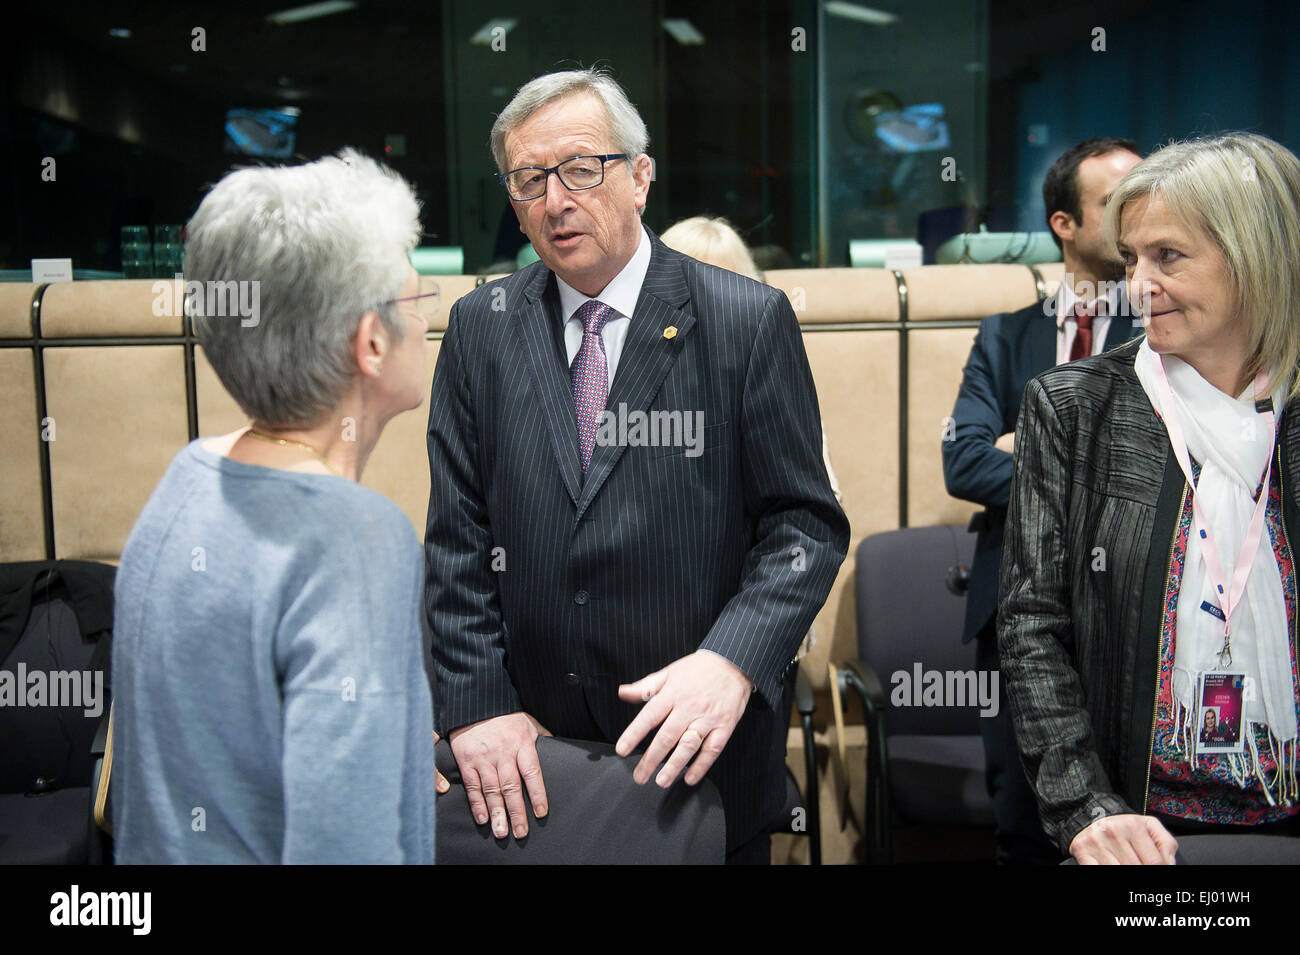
point(590, 376)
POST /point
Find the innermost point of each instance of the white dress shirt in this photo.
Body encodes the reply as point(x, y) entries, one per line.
point(1067, 326)
point(620, 295)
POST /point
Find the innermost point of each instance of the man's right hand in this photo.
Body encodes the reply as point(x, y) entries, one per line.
point(1125, 839)
point(1006, 442)
point(498, 761)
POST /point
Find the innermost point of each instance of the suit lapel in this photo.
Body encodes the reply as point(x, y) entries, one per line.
point(1042, 342)
point(646, 358)
point(550, 381)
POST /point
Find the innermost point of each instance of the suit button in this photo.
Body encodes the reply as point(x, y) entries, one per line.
point(571, 679)
point(580, 598)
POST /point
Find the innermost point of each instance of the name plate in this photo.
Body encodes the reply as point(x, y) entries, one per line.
point(51, 270)
point(904, 255)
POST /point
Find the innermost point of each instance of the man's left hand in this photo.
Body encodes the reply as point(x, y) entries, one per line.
point(699, 699)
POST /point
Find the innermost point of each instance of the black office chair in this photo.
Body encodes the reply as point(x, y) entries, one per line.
point(801, 815)
point(925, 764)
point(598, 815)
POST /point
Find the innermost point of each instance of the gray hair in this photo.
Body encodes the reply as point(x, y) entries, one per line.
point(1241, 190)
point(322, 244)
point(626, 128)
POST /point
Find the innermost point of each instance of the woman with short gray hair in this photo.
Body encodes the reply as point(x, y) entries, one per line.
point(271, 703)
point(1148, 579)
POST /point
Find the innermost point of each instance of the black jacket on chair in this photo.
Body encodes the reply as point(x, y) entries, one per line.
point(55, 616)
point(1080, 638)
point(546, 591)
point(1009, 349)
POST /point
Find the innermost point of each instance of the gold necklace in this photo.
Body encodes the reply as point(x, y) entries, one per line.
point(282, 442)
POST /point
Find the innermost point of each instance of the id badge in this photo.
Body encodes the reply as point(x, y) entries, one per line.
point(1218, 718)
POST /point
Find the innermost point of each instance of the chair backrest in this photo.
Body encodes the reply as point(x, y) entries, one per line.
point(910, 627)
point(599, 815)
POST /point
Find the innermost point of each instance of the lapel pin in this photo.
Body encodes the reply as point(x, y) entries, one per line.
point(670, 332)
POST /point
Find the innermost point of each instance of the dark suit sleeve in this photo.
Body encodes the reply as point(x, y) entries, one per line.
point(460, 592)
point(973, 469)
point(801, 534)
point(1036, 634)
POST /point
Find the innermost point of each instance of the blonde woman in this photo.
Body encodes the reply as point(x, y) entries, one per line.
point(1148, 577)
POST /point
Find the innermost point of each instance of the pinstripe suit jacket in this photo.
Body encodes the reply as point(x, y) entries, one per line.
point(546, 591)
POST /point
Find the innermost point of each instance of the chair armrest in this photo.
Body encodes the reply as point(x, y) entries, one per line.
point(859, 675)
point(803, 693)
point(101, 774)
point(100, 743)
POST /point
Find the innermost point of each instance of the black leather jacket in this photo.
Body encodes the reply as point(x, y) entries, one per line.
point(1090, 535)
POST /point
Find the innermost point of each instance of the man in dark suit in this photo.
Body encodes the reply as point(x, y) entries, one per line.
point(630, 527)
point(1088, 314)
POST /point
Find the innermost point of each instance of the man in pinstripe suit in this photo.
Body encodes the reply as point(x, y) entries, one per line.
point(587, 578)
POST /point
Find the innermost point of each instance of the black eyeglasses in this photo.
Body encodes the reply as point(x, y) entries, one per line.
point(580, 172)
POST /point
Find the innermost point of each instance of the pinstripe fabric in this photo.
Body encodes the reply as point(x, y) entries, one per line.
point(657, 553)
point(1088, 538)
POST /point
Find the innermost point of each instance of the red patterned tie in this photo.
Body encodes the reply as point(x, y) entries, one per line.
point(590, 376)
point(1082, 347)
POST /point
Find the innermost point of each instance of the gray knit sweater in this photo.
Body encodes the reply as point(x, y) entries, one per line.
point(271, 704)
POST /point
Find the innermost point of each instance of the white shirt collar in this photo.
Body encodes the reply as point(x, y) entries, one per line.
point(622, 291)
